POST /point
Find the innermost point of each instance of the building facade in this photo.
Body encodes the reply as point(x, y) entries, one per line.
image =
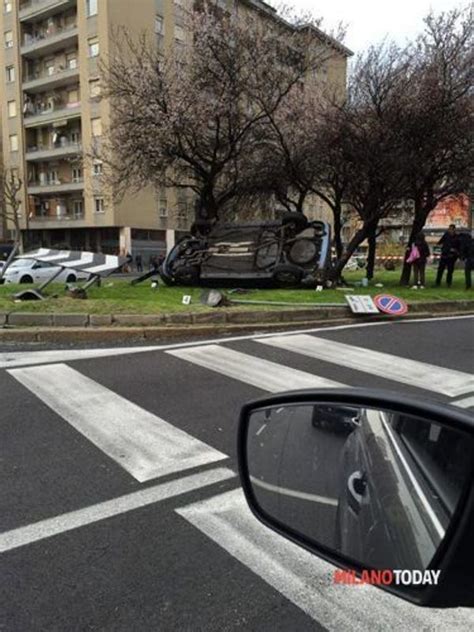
point(52, 112)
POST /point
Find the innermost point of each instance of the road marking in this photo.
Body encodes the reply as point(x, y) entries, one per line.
point(142, 443)
point(11, 359)
point(284, 491)
point(263, 374)
point(306, 580)
point(468, 402)
point(88, 515)
point(420, 374)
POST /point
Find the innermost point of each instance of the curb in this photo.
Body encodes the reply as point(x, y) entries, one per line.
point(217, 317)
point(116, 333)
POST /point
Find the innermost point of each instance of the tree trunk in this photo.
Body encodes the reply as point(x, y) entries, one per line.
point(337, 227)
point(354, 243)
point(372, 243)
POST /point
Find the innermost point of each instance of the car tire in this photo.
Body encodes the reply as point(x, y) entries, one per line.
point(297, 220)
point(186, 275)
point(26, 278)
point(303, 251)
point(71, 278)
point(286, 275)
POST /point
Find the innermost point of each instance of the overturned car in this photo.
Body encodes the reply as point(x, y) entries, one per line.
point(286, 253)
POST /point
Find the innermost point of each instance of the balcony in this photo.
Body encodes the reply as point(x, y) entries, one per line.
point(46, 44)
point(66, 220)
point(37, 188)
point(37, 117)
point(59, 79)
point(34, 153)
point(41, 9)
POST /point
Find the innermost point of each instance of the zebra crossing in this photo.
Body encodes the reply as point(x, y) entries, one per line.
point(148, 446)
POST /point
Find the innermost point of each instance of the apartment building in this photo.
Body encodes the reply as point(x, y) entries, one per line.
point(52, 112)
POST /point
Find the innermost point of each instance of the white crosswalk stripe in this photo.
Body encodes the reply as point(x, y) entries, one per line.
point(142, 443)
point(269, 376)
point(305, 579)
point(419, 374)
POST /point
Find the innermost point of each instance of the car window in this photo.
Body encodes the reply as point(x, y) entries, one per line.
point(21, 263)
point(440, 454)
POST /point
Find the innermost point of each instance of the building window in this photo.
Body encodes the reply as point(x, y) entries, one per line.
point(71, 61)
point(94, 88)
point(93, 46)
point(10, 70)
point(91, 8)
point(53, 177)
point(96, 127)
point(77, 174)
point(78, 208)
point(179, 33)
point(7, 6)
point(99, 205)
point(14, 142)
point(159, 25)
point(11, 109)
point(8, 39)
point(97, 168)
point(49, 67)
point(73, 97)
point(163, 209)
point(75, 138)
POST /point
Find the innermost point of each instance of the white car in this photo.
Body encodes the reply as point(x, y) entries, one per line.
point(31, 271)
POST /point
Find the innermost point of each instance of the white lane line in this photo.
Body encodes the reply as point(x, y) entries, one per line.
point(101, 511)
point(306, 580)
point(419, 374)
point(263, 374)
point(294, 493)
point(468, 402)
point(142, 443)
point(11, 359)
point(30, 358)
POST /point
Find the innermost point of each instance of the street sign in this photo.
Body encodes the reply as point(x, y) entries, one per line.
point(362, 304)
point(392, 305)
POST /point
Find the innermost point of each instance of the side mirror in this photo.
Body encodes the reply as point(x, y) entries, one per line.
point(378, 485)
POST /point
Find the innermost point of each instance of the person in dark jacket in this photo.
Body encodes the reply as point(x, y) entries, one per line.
point(450, 245)
point(419, 264)
point(467, 255)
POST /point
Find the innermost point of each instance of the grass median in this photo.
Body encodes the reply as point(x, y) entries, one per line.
point(117, 296)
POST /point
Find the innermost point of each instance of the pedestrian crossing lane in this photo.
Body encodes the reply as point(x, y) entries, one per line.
point(430, 377)
point(142, 443)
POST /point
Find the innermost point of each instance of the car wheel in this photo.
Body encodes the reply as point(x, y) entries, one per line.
point(71, 278)
point(186, 275)
point(303, 251)
point(26, 278)
point(297, 221)
point(287, 275)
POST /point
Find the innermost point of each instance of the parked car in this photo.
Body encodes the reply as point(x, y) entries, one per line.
point(286, 253)
point(32, 271)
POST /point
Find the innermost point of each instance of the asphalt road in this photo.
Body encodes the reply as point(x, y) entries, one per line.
point(120, 507)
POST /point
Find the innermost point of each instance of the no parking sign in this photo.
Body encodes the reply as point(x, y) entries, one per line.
point(392, 305)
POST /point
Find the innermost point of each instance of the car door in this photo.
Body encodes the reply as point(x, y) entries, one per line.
point(42, 270)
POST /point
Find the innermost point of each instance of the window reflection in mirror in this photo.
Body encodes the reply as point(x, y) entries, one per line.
point(376, 486)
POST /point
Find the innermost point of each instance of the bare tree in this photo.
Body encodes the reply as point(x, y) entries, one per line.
point(198, 118)
point(11, 186)
point(436, 121)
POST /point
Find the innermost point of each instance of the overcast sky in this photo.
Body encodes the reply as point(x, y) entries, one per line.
point(370, 21)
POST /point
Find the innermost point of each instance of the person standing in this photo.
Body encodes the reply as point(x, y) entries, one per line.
point(450, 245)
point(467, 254)
point(139, 263)
point(419, 254)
